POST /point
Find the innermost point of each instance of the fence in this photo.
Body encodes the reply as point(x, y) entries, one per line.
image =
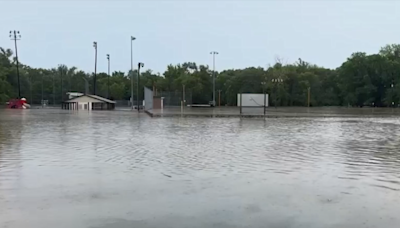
point(175, 98)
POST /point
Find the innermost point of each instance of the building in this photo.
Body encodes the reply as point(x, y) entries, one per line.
point(88, 102)
point(74, 94)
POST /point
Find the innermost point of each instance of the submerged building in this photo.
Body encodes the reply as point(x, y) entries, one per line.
point(88, 102)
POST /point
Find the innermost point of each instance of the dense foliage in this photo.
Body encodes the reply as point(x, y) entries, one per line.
point(361, 80)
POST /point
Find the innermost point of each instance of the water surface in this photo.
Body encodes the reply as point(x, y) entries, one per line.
point(121, 169)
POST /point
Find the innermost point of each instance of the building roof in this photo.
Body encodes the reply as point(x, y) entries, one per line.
point(94, 97)
point(75, 93)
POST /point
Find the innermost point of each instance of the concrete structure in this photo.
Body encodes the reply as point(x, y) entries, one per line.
point(148, 99)
point(89, 102)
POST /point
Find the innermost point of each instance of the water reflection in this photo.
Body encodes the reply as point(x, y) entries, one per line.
point(93, 169)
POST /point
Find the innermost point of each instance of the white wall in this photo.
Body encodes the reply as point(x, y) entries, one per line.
point(252, 100)
point(85, 100)
point(82, 105)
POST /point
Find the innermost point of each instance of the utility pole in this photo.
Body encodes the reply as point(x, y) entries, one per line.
point(213, 53)
point(392, 86)
point(108, 78)
point(62, 83)
point(138, 76)
point(95, 67)
point(183, 96)
point(219, 98)
point(41, 74)
point(15, 35)
point(132, 39)
point(54, 92)
point(29, 76)
point(263, 84)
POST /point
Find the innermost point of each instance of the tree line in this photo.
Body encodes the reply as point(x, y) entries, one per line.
point(362, 80)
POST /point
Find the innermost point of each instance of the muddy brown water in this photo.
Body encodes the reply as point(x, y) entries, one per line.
point(121, 169)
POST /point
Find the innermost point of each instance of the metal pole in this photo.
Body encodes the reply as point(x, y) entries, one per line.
point(41, 102)
point(276, 94)
point(214, 78)
point(138, 76)
point(16, 55)
point(392, 95)
point(62, 85)
point(265, 99)
point(214, 53)
point(183, 97)
point(14, 35)
point(219, 98)
point(240, 104)
point(132, 39)
point(108, 78)
point(95, 67)
point(131, 74)
point(30, 88)
point(137, 87)
point(54, 92)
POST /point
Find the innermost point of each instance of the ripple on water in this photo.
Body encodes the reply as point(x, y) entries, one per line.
point(342, 149)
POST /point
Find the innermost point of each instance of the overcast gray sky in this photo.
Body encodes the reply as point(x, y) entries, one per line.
point(245, 33)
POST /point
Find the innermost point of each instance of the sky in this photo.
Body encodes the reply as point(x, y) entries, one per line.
point(245, 33)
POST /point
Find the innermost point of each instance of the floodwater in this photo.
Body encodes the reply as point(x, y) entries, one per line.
point(121, 169)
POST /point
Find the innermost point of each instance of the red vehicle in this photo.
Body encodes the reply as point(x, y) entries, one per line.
point(18, 104)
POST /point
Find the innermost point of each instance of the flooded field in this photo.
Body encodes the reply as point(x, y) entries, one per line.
point(121, 169)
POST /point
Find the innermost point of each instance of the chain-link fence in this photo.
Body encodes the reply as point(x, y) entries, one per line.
point(175, 98)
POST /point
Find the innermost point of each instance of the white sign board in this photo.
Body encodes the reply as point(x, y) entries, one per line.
point(252, 100)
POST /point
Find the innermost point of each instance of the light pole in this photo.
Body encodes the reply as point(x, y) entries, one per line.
point(263, 84)
point(392, 86)
point(29, 76)
point(41, 74)
point(15, 35)
point(183, 95)
point(138, 76)
point(108, 78)
point(62, 83)
point(219, 98)
point(95, 67)
point(132, 39)
point(213, 53)
point(276, 81)
point(54, 92)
